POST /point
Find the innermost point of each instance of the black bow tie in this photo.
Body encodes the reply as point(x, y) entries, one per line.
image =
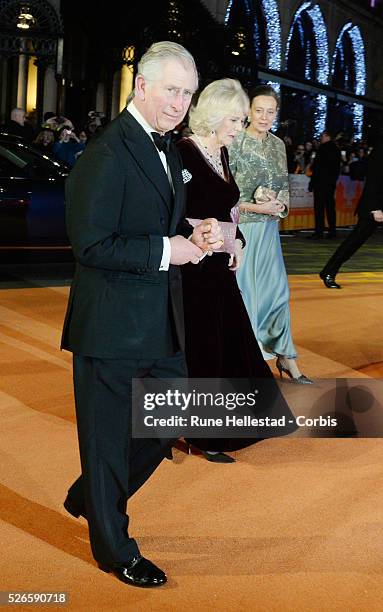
point(162, 142)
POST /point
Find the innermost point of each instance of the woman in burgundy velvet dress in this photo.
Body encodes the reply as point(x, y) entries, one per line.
point(220, 342)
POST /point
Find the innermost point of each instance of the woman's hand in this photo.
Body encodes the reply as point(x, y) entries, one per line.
point(208, 236)
point(378, 215)
point(270, 207)
point(236, 257)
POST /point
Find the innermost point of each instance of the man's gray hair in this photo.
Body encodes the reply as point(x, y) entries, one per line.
point(149, 64)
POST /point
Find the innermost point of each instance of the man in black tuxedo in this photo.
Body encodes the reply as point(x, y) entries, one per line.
point(125, 205)
point(325, 173)
point(370, 214)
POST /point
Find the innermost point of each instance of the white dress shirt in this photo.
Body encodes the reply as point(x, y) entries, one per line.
point(165, 260)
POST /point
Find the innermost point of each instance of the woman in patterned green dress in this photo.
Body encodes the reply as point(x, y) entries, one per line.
point(258, 163)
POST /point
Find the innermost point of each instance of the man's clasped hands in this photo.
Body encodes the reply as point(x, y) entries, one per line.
point(207, 237)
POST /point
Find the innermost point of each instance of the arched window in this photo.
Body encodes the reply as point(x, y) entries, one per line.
point(349, 69)
point(236, 9)
point(35, 27)
point(307, 55)
point(261, 17)
point(239, 19)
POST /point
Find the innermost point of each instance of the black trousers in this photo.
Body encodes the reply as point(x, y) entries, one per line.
point(358, 236)
point(114, 465)
point(324, 200)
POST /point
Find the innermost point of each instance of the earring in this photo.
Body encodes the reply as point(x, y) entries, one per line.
point(212, 133)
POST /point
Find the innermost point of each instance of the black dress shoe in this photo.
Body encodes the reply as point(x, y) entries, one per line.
point(169, 454)
point(138, 572)
point(73, 509)
point(329, 281)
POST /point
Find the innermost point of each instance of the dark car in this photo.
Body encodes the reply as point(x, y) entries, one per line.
point(32, 211)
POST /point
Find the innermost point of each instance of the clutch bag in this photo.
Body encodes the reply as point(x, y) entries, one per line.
point(263, 194)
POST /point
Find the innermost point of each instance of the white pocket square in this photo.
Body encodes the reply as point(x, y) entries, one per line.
point(186, 176)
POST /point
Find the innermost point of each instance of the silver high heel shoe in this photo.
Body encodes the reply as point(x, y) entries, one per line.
point(300, 380)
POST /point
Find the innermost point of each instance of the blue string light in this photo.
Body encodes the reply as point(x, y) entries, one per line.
point(273, 26)
point(308, 63)
point(323, 68)
point(339, 48)
point(228, 10)
point(320, 33)
point(321, 50)
point(360, 70)
point(297, 16)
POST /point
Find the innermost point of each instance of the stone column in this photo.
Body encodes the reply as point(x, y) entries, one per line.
point(100, 98)
point(22, 80)
point(115, 109)
point(50, 91)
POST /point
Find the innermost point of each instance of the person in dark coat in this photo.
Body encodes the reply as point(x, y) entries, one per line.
point(370, 215)
point(18, 126)
point(358, 167)
point(125, 203)
point(325, 173)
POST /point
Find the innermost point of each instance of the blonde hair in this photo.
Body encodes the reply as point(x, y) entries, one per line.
point(217, 101)
point(150, 63)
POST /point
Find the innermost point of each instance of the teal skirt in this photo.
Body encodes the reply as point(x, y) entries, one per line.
point(262, 280)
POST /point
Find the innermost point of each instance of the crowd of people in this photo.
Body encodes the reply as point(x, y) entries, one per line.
point(56, 135)
point(354, 154)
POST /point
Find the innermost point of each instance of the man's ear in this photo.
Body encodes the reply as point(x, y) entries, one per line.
point(140, 87)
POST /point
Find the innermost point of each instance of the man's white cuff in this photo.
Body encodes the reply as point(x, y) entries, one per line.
point(166, 253)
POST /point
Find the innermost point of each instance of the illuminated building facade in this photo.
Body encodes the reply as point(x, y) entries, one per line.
point(31, 44)
point(323, 56)
point(324, 59)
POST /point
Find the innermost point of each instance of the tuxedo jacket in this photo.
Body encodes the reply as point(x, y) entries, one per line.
point(119, 205)
point(372, 195)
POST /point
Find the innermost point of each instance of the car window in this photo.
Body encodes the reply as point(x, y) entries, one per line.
point(49, 157)
point(10, 164)
point(35, 164)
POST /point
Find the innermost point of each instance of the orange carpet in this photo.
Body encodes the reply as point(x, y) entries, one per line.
point(295, 525)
